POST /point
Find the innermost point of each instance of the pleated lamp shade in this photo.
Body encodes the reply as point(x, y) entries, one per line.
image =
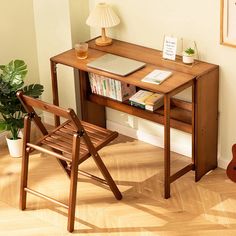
point(104, 17)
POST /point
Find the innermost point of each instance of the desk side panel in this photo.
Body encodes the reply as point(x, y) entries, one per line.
point(206, 121)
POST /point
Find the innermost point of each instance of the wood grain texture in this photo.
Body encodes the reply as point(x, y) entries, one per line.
point(152, 56)
point(206, 208)
point(202, 76)
point(206, 123)
point(180, 118)
point(176, 80)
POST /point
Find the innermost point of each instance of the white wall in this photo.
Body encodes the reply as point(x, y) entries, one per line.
point(52, 26)
point(57, 25)
point(17, 37)
point(146, 22)
point(79, 10)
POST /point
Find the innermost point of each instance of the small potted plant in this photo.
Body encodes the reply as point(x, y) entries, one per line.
point(11, 111)
point(188, 56)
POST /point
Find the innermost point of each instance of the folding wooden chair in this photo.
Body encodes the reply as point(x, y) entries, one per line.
point(71, 143)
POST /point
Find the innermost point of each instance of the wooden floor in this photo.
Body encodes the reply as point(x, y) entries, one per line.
point(204, 208)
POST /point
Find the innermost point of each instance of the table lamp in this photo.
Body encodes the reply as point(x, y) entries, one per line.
point(104, 17)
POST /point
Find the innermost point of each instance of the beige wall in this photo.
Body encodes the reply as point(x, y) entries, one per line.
point(57, 25)
point(79, 10)
point(35, 30)
point(52, 25)
point(17, 37)
point(146, 22)
point(142, 22)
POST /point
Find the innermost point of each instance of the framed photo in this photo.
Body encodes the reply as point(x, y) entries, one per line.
point(169, 48)
point(228, 23)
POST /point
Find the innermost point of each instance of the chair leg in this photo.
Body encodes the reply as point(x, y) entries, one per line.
point(73, 183)
point(25, 163)
point(24, 178)
point(107, 176)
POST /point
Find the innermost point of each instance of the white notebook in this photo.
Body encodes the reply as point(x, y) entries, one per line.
point(157, 76)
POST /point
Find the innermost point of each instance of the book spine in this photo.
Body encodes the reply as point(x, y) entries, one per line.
point(136, 104)
point(103, 86)
point(91, 82)
point(118, 90)
point(125, 91)
point(95, 84)
point(149, 107)
point(113, 89)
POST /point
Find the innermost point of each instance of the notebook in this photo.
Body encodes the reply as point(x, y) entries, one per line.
point(115, 64)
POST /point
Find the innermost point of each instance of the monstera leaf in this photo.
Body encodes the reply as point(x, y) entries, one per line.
point(33, 90)
point(12, 124)
point(11, 80)
point(5, 88)
point(14, 73)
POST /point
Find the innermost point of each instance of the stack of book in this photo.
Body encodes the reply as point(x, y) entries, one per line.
point(146, 100)
point(111, 88)
point(154, 102)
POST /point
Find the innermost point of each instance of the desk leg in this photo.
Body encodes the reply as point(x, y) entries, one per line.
point(193, 124)
point(55, 89)
point(167, 146)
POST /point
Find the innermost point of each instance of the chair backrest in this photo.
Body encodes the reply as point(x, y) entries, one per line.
point(30, 103)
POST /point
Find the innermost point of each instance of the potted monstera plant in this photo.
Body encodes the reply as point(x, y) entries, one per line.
point(12, 112)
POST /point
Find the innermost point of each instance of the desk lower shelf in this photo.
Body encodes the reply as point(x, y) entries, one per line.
point(180, 118)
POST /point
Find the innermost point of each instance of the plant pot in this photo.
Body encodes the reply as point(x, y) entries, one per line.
point(188, 59)
point(15, 147)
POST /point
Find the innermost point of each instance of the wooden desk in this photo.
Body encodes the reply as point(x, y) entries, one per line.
point(200, 117)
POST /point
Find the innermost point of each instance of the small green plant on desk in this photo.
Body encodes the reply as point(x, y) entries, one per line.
point(11, 111)
point(188, 56)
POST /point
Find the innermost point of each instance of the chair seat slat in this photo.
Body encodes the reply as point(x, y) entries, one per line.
point(61, 138)
point(94, 127)
point(58, 147)
point(57, 141)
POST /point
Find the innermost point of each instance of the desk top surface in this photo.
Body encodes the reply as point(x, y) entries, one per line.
point(182, 74)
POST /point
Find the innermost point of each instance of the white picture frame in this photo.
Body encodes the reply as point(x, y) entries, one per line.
point(169, 48)
point(228, 23)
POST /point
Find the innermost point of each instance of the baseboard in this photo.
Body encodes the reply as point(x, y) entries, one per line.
point(181, 146)
point(223, 163)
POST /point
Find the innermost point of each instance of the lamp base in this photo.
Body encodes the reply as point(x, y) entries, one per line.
point(103, 42)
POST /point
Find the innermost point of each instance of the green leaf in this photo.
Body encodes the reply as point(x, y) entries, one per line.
point(2, 67)
point(33, 90)
point(190, 51)
point(14, 72)
point(20, 65)
point(11, 109)
point(3, 125)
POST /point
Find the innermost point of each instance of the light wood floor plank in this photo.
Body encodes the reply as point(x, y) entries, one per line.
point(207, 207)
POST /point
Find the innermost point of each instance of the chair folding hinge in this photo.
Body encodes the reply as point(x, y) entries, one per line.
point(80, 133)
point(31, 115)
